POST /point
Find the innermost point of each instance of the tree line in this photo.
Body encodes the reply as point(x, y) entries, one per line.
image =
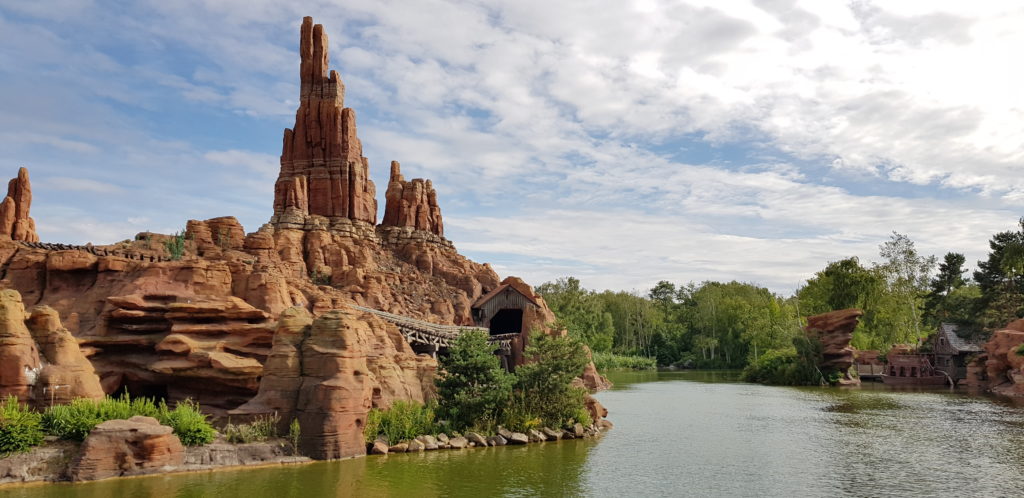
point(905, 295)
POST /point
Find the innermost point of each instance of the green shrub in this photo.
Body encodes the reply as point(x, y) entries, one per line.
point(76, 420)
point(472, 387)
point(20, 427)
point(544, 383)
point(188, 422)
point(260, 429)
point(787, 367)
point(294, 433)
point(175, 246)
point(612, 361)
point(404, 420)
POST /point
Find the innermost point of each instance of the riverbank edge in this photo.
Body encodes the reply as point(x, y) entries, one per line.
point(503, 437)
point(51, 462)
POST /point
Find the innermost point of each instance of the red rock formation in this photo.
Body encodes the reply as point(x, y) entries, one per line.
point(139, 445)
point(19, 355)
point(412, 204)
point(41, 363)
point(207, 348)
point(14, 219)
point(835, 331)
point(309, 356)
point(1000, 368)
point(323, 171)
point(67, 374)
point(216, 234)
point(204, 326)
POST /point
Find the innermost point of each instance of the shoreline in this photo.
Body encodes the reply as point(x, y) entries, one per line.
point(50, 463)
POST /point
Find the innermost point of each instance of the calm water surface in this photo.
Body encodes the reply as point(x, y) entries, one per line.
point(679, 434)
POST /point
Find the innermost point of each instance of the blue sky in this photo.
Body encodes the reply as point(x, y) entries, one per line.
point(626, 144)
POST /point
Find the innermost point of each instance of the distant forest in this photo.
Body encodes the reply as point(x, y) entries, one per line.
point(905, 296)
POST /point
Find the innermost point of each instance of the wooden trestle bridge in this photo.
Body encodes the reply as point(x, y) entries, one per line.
point(430, 337)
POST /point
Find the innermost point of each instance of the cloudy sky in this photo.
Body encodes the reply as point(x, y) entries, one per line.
point(622, 142)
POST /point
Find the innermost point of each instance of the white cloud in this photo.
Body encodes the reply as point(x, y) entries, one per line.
point(825, 124)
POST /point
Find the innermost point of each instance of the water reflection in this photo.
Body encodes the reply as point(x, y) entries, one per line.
point(681, 433)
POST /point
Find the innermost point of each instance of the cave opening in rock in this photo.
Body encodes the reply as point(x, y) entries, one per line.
point(507, 321)
point(142, 389)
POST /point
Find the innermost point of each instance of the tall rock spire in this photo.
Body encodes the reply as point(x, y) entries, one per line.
point(14, 219)
point(323, 171)
point(411, 203)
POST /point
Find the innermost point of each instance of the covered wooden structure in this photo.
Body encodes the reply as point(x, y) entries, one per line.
point(502, 313)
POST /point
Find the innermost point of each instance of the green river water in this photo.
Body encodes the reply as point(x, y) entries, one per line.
point(678, 434)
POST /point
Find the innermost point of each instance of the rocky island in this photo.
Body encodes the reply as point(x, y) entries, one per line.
point(318, 317)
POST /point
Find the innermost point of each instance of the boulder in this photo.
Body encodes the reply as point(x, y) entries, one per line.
point(551, 434)
point(577, 429)
point(518, 438)
point(496, 441)
point(442, 438)
point(416, 445)
point(505, 433)
point(139, 445)
point(379, 447)
point(458, 442)
point(476, 439)
point(399, 448)
point(536, 436)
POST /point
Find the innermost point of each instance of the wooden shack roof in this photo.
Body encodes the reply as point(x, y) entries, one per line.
point(948, 330)
point(497, 292)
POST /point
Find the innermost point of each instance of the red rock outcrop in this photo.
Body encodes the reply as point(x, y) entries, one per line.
point(66, 373)
point(1000, 368)
point(139, 445)
point(40, 362)
point(207, 348)
point(412, 204)
point(216, 234)
point(835, 331)
point(19, 355)
point(14, 219)
point(323, 171)
point(312, 361)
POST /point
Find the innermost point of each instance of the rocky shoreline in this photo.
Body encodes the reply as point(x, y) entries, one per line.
point(503, 437)
point(58, 461)
point(53, 462)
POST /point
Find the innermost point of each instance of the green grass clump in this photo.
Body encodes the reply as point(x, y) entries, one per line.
point(612, 361)
point(76, 420)
point(188, 422)
point(404, 420)
point(20, 427)
point(260, 429)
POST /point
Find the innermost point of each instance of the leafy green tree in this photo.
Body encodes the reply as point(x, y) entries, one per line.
point(949, 279)
point(1000, 279)
point(545, 381)
point(580, 312)
point(472, 386)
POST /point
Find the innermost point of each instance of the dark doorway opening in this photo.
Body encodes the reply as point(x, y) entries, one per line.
point(140, 389)
point(507, 321)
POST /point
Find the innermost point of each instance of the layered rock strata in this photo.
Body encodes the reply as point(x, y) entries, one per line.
point(323, 171)
point(14, 219)
point(412, 204)
point(137, 446)
point(834, 330)
point(1000, 369)
point(329, 371)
